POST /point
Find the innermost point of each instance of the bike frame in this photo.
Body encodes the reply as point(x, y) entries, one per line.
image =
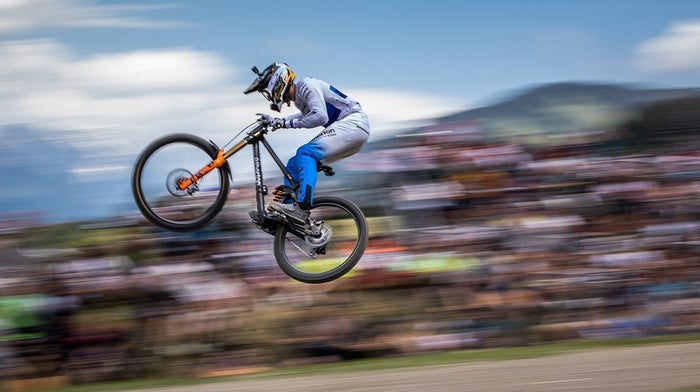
point(253, 139)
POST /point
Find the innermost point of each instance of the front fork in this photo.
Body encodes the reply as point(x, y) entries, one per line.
point(186, 183)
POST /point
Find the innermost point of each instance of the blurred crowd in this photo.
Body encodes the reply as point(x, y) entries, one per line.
point(473, 244)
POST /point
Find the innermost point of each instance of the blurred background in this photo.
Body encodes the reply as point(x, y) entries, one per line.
point(526, 181)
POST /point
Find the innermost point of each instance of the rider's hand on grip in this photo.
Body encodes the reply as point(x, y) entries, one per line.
point(275, 122)
point(278, 123)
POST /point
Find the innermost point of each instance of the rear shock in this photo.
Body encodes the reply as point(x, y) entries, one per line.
point(281, 193)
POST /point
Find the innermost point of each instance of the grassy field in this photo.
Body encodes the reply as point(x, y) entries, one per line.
point(499, 354)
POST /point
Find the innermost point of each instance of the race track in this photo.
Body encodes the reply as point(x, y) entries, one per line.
point(658, 368)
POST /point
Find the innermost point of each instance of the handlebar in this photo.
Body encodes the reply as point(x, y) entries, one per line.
point(267, 121)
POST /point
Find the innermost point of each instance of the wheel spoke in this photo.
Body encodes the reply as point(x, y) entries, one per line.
point(302, 251)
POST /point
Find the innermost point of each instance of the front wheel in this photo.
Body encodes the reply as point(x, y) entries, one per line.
point(159, 168)
point(340, 243)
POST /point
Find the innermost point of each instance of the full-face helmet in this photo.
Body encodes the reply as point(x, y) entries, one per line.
point(273, 83)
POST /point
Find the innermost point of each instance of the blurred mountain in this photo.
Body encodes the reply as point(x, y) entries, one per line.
point(41, 180)
point(563, 109)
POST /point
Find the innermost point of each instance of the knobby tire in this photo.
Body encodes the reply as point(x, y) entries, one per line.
point(281, 246)
point(150, 212)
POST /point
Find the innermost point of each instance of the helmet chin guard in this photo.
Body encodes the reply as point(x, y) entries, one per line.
point(273, 83)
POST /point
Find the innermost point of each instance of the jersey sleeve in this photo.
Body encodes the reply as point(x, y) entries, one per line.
point(312, 95)
point(293, 120)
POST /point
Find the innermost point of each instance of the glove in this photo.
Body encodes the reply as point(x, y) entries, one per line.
point(278, 123)
point(275, 122)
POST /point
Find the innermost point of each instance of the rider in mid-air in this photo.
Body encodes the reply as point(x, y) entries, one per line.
point(346, 127)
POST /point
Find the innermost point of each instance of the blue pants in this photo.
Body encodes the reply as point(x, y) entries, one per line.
point(302, 167)
point(341, 139)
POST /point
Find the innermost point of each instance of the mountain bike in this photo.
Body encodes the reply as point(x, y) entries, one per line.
point(172, 196)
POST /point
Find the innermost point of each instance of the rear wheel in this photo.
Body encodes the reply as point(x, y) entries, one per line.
point(156, 174)
point(341, 241)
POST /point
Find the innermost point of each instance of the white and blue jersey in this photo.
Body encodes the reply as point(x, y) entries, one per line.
point(320, 104)
point(346, 130)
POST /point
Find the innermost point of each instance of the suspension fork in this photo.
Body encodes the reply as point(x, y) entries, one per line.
point(220, 160)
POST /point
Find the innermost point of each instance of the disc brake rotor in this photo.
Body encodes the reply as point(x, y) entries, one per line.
point(174, 178)
point(326, 233)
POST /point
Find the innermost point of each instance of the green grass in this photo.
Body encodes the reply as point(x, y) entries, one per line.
point(498, 354)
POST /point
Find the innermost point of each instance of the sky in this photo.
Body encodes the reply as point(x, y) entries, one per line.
point(116, 74)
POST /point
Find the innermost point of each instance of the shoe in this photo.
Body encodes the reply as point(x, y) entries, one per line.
point(290, 210)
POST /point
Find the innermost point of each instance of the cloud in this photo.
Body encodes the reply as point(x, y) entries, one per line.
point(169, 69)
point(18, 16)
point(136, 94)
point(146, 93)
point(392, 109)
point(120, 100)
point(676, 50)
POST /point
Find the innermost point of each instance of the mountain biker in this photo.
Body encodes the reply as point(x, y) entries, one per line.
point(345, 127)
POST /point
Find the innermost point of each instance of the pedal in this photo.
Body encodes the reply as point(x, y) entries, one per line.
point(255, 217)
point(266, 224)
